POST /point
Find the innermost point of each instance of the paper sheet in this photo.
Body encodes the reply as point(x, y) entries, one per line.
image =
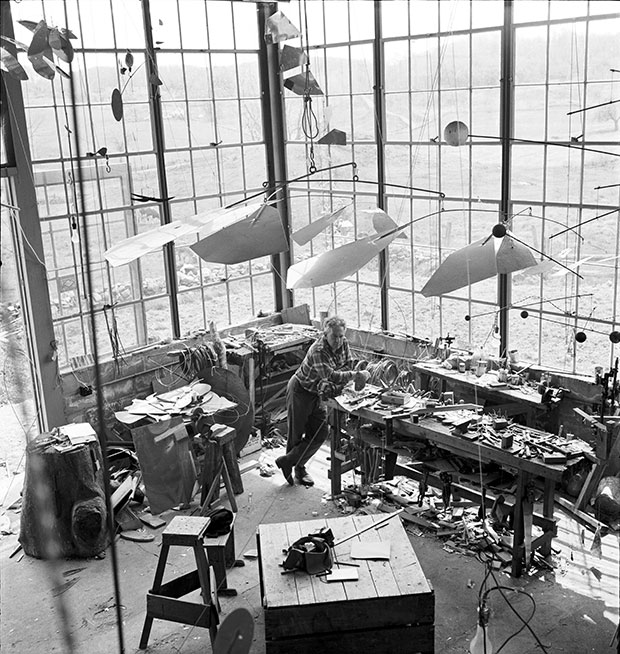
point(342, 574)
point(78, 433)
point(371, 550)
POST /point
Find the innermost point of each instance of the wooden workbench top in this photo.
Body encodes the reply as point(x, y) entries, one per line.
point(400, 576)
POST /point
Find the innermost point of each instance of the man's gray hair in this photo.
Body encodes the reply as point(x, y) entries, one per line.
point(334, 321)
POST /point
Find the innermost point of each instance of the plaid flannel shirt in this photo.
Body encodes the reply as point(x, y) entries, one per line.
point(324, 371)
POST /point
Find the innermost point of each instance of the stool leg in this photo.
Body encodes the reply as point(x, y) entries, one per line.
point(209, 596)
point(159, 575)
point(215, 486)
point(232, 464)
point(210, 470)
point(229, 489)
point(216, 559)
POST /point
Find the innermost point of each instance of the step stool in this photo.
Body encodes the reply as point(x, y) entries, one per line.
point(221, 461)
point(163, 602)
point(221, 553)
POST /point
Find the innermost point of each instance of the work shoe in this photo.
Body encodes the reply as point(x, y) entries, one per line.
point(303, 477)
point(287, 469)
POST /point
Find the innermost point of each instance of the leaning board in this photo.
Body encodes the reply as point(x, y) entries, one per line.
point(389, 610)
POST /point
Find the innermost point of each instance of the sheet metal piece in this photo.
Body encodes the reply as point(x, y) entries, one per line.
point(258, 235)
point(307, 233)
point(480, 260)
point(337, 264)
point(210, 222)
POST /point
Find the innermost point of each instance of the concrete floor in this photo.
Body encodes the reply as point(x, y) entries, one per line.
point(576, 612)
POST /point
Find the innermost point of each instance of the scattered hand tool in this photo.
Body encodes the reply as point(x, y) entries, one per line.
point(422, 488)
point(446, 489)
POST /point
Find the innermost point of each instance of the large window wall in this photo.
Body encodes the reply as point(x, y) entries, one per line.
point(392, 75)
point(442, 62)
point(205, 57)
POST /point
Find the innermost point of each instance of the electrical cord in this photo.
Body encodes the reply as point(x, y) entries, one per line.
point(482, 595)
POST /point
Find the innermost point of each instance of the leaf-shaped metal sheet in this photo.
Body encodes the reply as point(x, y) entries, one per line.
point(117, 104)
point(279, 28)
point(40, 41)
point(67, 33)
point(381, 221)
point(259, 234)
point(21, 47)
point(29, 24)
point(479, 260)
point(302, 84)
point(129, 59)
point(337, 264)
point(43, 65)
point(292, 57)
point(334, 137)
point(61, 45)
point(208, 223)
point(307, 233)
point(10, 65)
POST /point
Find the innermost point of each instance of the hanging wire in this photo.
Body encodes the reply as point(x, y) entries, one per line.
point(309, 120)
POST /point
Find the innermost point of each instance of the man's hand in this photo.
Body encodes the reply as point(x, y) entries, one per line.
point(361, 377)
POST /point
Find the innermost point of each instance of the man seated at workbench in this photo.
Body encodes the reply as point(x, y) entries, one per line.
point(322, 374)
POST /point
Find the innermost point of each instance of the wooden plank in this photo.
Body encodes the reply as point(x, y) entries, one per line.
point(278, 589)
point(378, 614)
point(580, 516)
point(176, 610)
point(363, 588)
point(590, 484)
point(409, 576)
point(380, 571)
point(404, 640)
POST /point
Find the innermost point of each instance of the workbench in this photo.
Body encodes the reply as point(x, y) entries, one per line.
point(389, 609)
point(521, 401)
point(430, 430)
point(266, 354)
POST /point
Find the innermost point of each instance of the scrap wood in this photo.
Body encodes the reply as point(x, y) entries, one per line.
point(422, 522)
point(449, 532)
point(581, 517)
point(59, 590)
point(18, 547)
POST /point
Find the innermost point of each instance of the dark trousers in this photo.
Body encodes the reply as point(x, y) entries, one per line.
point(307, 424)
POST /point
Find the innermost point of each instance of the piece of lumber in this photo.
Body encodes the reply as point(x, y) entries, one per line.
point(581, 517)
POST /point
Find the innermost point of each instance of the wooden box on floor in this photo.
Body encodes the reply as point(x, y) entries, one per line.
point(390, 609)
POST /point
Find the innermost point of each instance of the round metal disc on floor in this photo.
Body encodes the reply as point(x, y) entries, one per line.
point(234, 635)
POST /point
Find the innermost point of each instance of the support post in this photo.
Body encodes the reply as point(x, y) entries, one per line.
point(379, 85)
point(274, 130)
point(504, 294)
point(160, 147)
point(30, 256)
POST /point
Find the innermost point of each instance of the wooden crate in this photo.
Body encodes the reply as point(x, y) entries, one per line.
point(390, 609)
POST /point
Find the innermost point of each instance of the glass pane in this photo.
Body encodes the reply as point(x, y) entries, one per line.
point(190, 311)
point(157, 314)
point(19, 414)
